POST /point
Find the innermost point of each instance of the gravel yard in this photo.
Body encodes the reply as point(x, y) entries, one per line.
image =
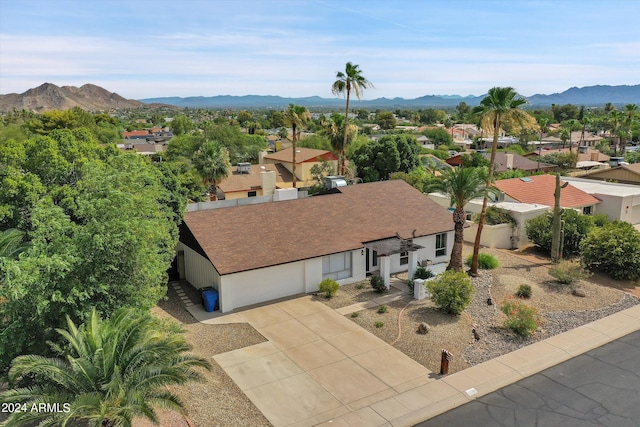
point(218, 401)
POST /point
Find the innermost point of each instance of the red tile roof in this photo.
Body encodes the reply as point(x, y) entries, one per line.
point(255, 236)
point(540, 189)
point(302, 155)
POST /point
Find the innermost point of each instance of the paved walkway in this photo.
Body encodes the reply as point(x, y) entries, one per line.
point(598, 388)
point(319, 368)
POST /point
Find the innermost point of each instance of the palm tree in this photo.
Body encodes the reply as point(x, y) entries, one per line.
point(109, 372)
point(572, 125)
point(617, 117)
point(296, 116)
point(631, 111)
point(543, 123)
point(586, 121)
point(333, 128)
point(565, 135)
point(461, 185)
point(211, 161)
point(11, 244)
point(351, 79)
point(498, 108)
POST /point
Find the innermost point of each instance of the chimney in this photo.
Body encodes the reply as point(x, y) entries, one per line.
point(268, 182)
point(261, 156)
point(595, 157)
point(509, 161)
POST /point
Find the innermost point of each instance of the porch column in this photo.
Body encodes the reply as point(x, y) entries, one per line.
point(412, 264)
point(385, 269)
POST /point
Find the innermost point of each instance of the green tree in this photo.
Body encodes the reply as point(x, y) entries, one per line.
point(452, 291)
point(181, 125)
point(438, 136)
point(296, 116)
point(613, 249)
point(315, 141)
point(576, 227)
point(108, 372)
point(461, 185)
point(11, 243)
point(212, 163)
point(386, 120)
point(351, 79)
point(243, 117)
point(499, 108)
point(463, 110)
point(377, 160)
point(333, 127)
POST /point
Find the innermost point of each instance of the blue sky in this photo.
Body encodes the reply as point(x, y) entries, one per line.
point(153, 48)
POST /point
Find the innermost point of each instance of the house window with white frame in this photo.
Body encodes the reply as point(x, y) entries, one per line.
point(441, 244)
point(336, 266)
point(404, 258)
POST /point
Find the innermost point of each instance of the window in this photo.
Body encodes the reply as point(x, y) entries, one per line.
point(374, 259)
point(404, 258)
point(251, 194)
point(587, 210)
point(441, 244)
point(336, 266)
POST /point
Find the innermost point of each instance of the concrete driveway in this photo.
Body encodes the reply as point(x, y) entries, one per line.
point(317, 366)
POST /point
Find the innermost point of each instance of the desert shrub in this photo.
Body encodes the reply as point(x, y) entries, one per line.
point(452, 291)
point(379, 324)
point(411, 285)
point(521, 318)
point(600, 220)
point(328, 287)
point(576, 228)
point(524, 291)
point(355, 314)
point(613, 249)
point(485, 261)
point(360, 285)
point(382, 309)
point(496, 215)
point(377, 283)
point(422, 273)
point(568, 271)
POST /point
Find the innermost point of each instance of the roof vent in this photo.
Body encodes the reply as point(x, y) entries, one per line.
point(244, 167)
point(526, 179)
point(334, 182)
point(582, 149)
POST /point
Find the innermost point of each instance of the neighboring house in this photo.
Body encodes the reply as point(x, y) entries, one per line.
point(509, 161)
point(257, 253)
point(306, 158)
point(624, 174)
point(617, 201)
point(540, 189)
point(576, 139)
point(585, 154)
point(254, 181)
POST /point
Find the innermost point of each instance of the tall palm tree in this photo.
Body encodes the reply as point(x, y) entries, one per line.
point(211, 161)
point(543, 123)
point(565, 135)
point(461, 185)
point(586, 121)
point(631, 112)
point(572, 125)
point(296, 116)
point(499, 108)
point(109, 372)
point(351, 79)
point(617, 117)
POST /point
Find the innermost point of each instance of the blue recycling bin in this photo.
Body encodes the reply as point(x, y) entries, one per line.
point(210, 299)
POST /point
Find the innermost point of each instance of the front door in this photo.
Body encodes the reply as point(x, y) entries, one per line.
point(371, 260)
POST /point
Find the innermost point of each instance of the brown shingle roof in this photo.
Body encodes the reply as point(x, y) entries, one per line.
point(539, 190)
point(254, 236)
point(252, 180)
point(519, 162)
point(302, 155)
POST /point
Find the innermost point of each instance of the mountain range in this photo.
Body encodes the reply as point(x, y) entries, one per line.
point(588, 96)
point(94, 98)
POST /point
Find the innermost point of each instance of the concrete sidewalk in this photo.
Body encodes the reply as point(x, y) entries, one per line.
point(319, 368)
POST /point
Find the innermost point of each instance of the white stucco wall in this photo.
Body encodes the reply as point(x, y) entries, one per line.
point(198, 270)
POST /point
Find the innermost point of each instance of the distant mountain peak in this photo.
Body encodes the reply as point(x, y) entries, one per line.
point(48, 96)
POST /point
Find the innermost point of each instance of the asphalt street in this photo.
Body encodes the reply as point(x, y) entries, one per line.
point(598, 388)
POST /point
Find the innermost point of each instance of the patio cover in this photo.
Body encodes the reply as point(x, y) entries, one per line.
point(391, 246)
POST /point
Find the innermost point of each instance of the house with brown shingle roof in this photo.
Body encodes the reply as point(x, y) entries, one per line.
point(261, 252)
point(254, 181)
point(509, 161)
point(540, 189)
point(306, 158)
point(624, 174)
